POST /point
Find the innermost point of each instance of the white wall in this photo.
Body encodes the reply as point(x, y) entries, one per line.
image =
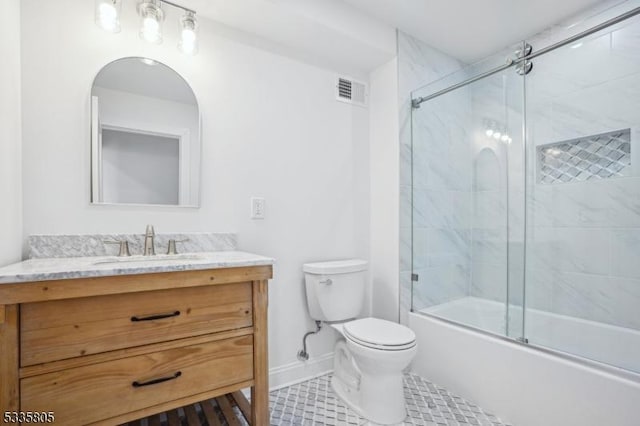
point(385, 190)
point(271, 127)
point(10, 136)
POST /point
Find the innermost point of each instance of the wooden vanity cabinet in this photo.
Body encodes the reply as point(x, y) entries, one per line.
point(114, 349)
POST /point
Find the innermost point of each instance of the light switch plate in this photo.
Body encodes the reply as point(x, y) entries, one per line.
point(257, 208)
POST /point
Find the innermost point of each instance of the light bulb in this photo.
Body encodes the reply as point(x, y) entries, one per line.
point(489, 132)
point(505, 137)
point(496, 135)
point(150, 30)
point(188, 42)
point(189, 37)
point(107, 12)
point(151, 15)
point(107, 15)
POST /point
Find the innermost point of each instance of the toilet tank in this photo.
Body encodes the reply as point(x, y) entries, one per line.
point(335, 289)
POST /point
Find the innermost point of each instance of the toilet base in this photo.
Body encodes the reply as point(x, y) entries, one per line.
point(378, 398)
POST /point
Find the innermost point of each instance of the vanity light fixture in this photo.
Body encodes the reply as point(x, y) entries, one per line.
point(151, 18)
point(108, 15)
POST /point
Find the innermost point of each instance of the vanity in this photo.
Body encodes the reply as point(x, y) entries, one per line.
point(97, 340)
point(92, 335)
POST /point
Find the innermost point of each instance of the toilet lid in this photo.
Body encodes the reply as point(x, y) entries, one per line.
point(380, 333)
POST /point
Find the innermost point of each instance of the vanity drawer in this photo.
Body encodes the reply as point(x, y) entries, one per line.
point(91, 393)
point(62, 329)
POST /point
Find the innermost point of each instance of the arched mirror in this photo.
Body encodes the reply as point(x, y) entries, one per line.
point(145, 143)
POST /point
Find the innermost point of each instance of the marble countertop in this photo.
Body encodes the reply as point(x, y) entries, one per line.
point(45, 269)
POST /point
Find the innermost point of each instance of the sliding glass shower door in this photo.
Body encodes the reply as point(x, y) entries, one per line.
point(468, 202)
point(583, 197)
point(526, 198)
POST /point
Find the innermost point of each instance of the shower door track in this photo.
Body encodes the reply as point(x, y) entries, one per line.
point(415, 103)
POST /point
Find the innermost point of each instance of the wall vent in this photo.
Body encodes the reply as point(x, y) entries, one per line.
point(351, 91)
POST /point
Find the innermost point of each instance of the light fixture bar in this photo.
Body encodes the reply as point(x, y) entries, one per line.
point(186, 9)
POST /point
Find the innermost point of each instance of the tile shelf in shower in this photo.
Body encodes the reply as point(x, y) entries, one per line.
point(592, 157)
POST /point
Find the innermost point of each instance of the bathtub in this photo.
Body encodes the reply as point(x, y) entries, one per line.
point(617, 346)
point(529, 385)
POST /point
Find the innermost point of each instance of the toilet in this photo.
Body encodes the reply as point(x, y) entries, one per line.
point(369, 360)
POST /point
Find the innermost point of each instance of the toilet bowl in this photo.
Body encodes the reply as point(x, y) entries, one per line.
point(368, 366)
point(370, 358)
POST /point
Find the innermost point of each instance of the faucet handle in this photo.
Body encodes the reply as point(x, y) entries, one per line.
point(150, 231)
point(171, 249)
point(124, 247)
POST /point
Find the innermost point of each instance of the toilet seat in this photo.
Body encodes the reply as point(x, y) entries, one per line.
point(379, 334)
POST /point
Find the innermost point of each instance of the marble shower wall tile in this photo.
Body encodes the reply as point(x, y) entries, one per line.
point(625, 253)
point(438, 185)
point(489, 281)
point(597, 298)
point(584, 237)
point(57, 246)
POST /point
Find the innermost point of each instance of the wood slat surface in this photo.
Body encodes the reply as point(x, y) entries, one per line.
point(154, 420)
point(227, 411)
point(192, 415)
point(173, 418)
point(210, 410)
point(241, 401)
point(210, 413)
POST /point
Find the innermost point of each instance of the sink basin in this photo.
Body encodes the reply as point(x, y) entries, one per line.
point(149, 259)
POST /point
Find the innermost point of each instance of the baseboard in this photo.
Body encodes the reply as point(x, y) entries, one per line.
point(296, 372)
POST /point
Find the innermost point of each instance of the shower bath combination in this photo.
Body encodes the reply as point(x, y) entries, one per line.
point(525, 189)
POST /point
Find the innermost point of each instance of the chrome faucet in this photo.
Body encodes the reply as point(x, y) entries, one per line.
point(149, 246)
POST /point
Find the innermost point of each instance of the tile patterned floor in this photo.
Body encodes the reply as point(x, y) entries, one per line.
point(313, 403)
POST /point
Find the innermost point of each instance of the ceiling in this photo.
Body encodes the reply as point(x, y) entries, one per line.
point(329, 33)
point(472, 30)
point(360, 34)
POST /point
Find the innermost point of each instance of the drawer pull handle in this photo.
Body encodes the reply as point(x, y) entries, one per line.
point(137, 384)
point(155, 317)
